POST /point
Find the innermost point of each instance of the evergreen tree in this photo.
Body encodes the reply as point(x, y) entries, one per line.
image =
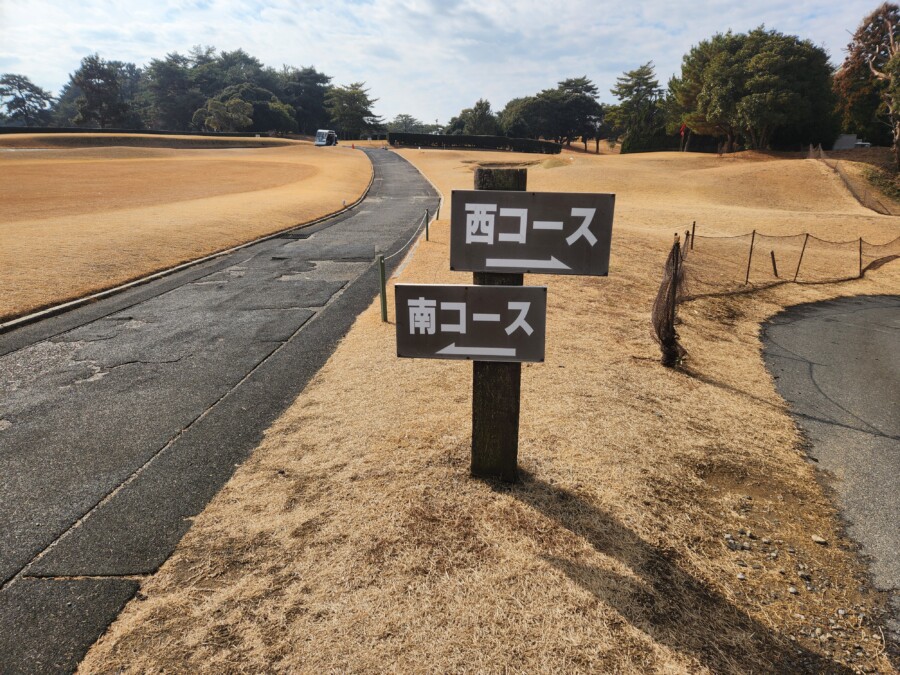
point(758, 87)
point(304, 89)
point(25, 102)
point(639, 112)
point(350, 110)
point(231, 115)
point(172, 93)
point(100, 103)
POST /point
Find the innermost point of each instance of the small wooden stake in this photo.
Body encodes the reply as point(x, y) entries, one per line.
point(860, 257)
point(673, 285)
point(750, 258)
point(802, 251)
point(383, 287)
point(426, 225)
point(496, 386)
point(774, 266)
point(693, 234)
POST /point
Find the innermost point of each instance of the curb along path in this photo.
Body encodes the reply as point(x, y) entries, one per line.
point(120, 420)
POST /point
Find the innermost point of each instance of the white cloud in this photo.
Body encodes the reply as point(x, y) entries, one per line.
point(428, 58)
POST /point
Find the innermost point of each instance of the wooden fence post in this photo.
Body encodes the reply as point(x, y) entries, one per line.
point(673, 285)
point(383, 288)
point(496, 386)
point(750, 257)
point(774, 266)
point(802, 251)
point(693, 234)
point(860, 257)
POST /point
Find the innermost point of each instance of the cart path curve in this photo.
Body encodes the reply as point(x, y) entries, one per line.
point(838, 364)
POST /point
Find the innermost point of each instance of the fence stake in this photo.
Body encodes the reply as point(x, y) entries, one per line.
point(774, 266)
point(693, 232)
point(860, 256)
point(437, 214)
point(426, 225)
point(673, 285)
point(383, 288)
point(750, 257)
point(802, 251)
point(684, 248)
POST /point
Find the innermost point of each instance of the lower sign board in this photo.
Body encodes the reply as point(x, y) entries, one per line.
point(476, 323)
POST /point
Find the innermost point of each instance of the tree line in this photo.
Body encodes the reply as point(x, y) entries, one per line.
point(757, 90)
point(204, 90)
point(760, 89)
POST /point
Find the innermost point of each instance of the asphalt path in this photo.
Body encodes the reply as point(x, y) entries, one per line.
point(838, 364)
point(119, 421)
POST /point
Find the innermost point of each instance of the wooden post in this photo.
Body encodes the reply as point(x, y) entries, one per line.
point(496, 386)
point(802, 251)
point(673, 284)
point(426, 225)
point(383, 288)
point(860, 257)
point(693, 234)
point(774, 266)
point(750, 258)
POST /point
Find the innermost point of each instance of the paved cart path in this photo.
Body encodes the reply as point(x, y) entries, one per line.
point(120, 421)
point(838, 364)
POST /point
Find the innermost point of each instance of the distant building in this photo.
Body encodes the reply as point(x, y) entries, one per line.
point(845, 142)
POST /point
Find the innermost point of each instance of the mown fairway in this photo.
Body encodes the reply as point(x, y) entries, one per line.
point(80, 219)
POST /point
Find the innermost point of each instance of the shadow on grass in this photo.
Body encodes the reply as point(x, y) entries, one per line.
point(665, 602)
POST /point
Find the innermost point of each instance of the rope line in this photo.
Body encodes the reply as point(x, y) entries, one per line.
point(415, 234)
point(785, 236)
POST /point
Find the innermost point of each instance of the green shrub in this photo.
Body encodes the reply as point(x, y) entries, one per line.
point(886, 181)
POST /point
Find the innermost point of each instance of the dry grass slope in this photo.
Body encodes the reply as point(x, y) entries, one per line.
point(83, 214)
point(353, 540)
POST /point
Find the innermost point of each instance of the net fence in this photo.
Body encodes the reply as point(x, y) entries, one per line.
point(714, 264)
point(706, 265)
point(857, 185)
point(873, 256)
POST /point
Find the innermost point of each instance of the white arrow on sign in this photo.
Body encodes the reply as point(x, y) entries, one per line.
point(552, 264)
point(477, 351)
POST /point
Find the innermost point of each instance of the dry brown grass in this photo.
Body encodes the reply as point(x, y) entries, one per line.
point(81, 218)
point(353, 540)
point(137, 140)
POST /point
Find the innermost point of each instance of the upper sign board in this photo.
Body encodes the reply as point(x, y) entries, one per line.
point(534, 232)
point(478, 323)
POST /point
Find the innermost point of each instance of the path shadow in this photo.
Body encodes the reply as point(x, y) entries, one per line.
point(665, 602)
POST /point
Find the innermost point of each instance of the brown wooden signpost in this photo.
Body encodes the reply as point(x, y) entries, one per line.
point(499, 231)
point(496, 387)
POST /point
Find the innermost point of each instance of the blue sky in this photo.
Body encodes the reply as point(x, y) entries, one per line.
point(427, 58)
